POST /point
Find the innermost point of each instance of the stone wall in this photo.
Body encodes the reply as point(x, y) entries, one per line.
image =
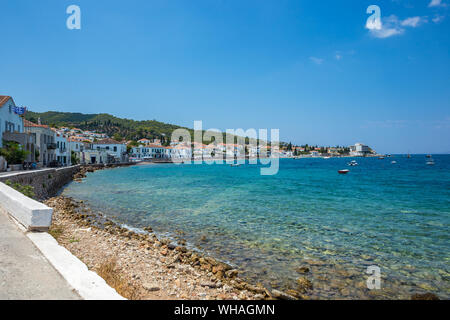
point(46, 183)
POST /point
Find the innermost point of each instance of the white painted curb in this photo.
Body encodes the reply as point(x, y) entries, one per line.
point(31, 213)
point(88, 284)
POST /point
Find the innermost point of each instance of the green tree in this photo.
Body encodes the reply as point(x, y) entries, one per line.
point(13, 152)
point(73, 158)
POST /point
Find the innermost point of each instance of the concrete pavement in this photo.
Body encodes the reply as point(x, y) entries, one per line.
point(24, 272)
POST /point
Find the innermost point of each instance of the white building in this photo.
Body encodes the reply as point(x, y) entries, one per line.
point(112, 147)
point(150, 151)
point(45, 141)
point(360, 150)
point(9, 121)
point(62, 151)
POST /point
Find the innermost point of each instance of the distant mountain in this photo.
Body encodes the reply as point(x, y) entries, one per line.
point(118, 128)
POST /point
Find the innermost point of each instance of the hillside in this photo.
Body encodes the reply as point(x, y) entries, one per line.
point(118, 128)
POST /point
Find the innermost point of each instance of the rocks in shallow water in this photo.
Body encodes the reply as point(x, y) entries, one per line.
point(304, 284)
point(231, 273)
point(302, 270)
point(424, 296)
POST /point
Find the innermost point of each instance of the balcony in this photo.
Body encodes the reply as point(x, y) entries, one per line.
point(51, 146)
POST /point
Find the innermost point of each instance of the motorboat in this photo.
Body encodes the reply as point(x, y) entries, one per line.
point(430, 162)
point(393, 162)
point(352, 163)
point(344, 171)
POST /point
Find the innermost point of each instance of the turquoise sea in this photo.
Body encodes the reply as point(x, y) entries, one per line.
point(394, 216)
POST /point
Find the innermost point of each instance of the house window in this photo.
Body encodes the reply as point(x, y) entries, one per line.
point(115, 149)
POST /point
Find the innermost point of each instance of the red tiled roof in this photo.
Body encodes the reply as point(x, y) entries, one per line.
point(107, 141)
point(3, 100)
point(27, 123)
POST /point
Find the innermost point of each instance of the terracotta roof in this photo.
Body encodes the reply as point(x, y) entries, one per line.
point(151, 145)
point(108, 141)
point(27, 123)
point(3, 100)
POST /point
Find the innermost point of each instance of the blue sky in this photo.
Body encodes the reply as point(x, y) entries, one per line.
point(310, 68)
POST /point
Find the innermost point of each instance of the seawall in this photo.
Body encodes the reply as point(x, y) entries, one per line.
point(46, 182)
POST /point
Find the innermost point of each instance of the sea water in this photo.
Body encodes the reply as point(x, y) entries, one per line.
point(392, 216)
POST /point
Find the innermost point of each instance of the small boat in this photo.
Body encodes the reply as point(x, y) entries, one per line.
point(235, 165)
point(430, 162)
point(393, 162)
point(345, 171)
point(380, 157)
point(428, 155)
point(408, 156)
point(326, 157)
point(352, 163)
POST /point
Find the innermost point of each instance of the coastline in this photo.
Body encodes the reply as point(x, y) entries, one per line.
point(141, 265)
point(149, 267)
point(176, 272)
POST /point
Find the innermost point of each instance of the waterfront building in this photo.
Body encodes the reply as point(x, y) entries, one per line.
point(116, 149)
point(62, 151)
point(9, 120)
point(90, 156)
point(45, 141)
point(360, 150)
point(150, 151)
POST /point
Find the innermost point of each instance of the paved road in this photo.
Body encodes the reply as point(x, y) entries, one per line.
point(24, 271)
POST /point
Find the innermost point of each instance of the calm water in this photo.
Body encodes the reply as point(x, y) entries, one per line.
point(395, 216)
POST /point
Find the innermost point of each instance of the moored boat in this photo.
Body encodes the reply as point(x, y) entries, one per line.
point(345, 171)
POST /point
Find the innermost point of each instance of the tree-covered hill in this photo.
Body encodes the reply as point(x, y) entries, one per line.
point(118, 128)
point(105, 123)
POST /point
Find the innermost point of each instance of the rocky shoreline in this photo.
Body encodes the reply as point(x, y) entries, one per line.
point(143, 265)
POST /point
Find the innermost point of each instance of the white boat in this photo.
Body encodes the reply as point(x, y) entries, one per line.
point(393, 162)
point(352, 163)
point(430, 162)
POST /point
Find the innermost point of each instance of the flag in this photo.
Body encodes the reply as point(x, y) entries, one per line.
point(20, 110)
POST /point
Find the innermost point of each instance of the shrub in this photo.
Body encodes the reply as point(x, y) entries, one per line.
point(25, 189)
point(13, 152)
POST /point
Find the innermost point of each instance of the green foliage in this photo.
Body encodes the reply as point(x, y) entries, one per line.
point(117, 128)
point(25, 189)
point(73, 158)
point(13, 152)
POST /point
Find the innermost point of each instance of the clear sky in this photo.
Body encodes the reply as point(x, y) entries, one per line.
point(310, 68)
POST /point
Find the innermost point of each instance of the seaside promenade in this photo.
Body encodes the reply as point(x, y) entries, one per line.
point(24, 272)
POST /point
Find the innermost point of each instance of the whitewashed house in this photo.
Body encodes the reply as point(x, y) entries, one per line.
point(62, 151)
point(112, 147)
point(150, 151)
point(45, 141)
